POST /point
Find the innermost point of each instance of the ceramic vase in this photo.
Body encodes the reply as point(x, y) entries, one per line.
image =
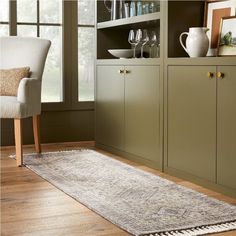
point(197, 41)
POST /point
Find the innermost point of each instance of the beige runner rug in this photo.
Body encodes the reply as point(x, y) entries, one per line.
point(136, 201)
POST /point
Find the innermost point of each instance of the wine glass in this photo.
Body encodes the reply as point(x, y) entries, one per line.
point(139, 35)
point(153, 41)
point(144, 40)
point(132, 40)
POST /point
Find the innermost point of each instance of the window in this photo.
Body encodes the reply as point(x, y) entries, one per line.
point(86, 45)
point(4, 17)
point(45, 20)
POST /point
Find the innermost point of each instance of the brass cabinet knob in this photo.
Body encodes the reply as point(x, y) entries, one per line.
point(220, 75)
point(210, 74)
point(121, 71)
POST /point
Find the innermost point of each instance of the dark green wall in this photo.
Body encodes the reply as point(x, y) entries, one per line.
point(56, 126)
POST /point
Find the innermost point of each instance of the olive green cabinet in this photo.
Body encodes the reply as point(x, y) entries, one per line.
point(192, 120)
point(127, 109)
point(202, 122)
point(110, 106)
point(226, 126)
point(142, 112)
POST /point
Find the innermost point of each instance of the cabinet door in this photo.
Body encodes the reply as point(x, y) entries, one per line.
point(192, 120)
point(110, 106)
point(226, 132)
point(142, 112)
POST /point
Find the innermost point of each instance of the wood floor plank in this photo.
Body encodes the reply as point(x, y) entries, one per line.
point(85, 222)
point(30, 206)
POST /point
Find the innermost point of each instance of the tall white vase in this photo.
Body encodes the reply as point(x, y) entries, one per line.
point(197, 42)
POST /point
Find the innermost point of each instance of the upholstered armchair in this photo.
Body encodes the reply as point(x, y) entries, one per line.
point(17, 52)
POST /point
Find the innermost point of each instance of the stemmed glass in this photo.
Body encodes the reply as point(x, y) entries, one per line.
point(133, 41)
point(152, 42)
point(139, 35)
point(144, 40)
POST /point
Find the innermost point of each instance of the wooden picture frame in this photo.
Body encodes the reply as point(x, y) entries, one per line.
point(227, 37)
point(214, 11)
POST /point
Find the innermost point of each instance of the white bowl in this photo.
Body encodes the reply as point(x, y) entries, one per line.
point(121, 53)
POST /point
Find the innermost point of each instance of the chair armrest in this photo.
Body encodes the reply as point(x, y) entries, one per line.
point(29, 93)
point(29, 90)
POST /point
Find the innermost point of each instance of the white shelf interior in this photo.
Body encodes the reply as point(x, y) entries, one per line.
point(129, 21)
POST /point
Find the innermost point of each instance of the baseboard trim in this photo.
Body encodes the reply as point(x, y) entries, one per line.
point(199, 181)
point(129, 156)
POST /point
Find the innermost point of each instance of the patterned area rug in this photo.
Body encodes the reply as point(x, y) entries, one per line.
point(138, 202)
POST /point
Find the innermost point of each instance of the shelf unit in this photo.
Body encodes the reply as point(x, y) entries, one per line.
point(113, 108)
point(113, 34)
point(174, 18)
point(186, 110)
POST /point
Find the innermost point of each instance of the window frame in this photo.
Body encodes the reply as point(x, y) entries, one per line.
point(86, 26)
point(7, 22)
point(69, 55)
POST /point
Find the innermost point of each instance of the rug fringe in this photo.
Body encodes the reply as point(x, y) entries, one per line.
point(60, 151)
point(201, 230)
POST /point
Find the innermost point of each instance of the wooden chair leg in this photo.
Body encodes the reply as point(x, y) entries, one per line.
point(18, 141)
point(36, 133)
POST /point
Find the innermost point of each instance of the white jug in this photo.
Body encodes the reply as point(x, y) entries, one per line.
point(197, 42)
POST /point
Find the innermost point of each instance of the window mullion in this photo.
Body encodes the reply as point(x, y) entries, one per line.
point(67, 52)
point(38, 20)
point(87, 26)
point(74, 54)
point(13, 17)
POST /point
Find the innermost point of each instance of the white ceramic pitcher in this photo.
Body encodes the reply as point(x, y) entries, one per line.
point(197, 42)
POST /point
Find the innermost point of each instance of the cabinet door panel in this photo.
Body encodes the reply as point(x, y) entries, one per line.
point(192, 120)
point(110, 106)
point(142, 112)
point(226, 120)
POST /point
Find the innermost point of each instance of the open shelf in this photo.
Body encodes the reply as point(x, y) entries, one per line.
point(130, 61)
point(192, 16)
point(143, 19)
point(202, 61)
point(117, 38)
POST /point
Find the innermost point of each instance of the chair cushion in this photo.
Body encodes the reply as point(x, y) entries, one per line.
point(10, 79)
point(11, 108)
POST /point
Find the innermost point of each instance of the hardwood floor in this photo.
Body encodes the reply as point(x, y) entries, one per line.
point(32, 206)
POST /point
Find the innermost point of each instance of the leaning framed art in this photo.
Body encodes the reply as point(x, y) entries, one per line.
point(215, 10)
point(227, 37)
